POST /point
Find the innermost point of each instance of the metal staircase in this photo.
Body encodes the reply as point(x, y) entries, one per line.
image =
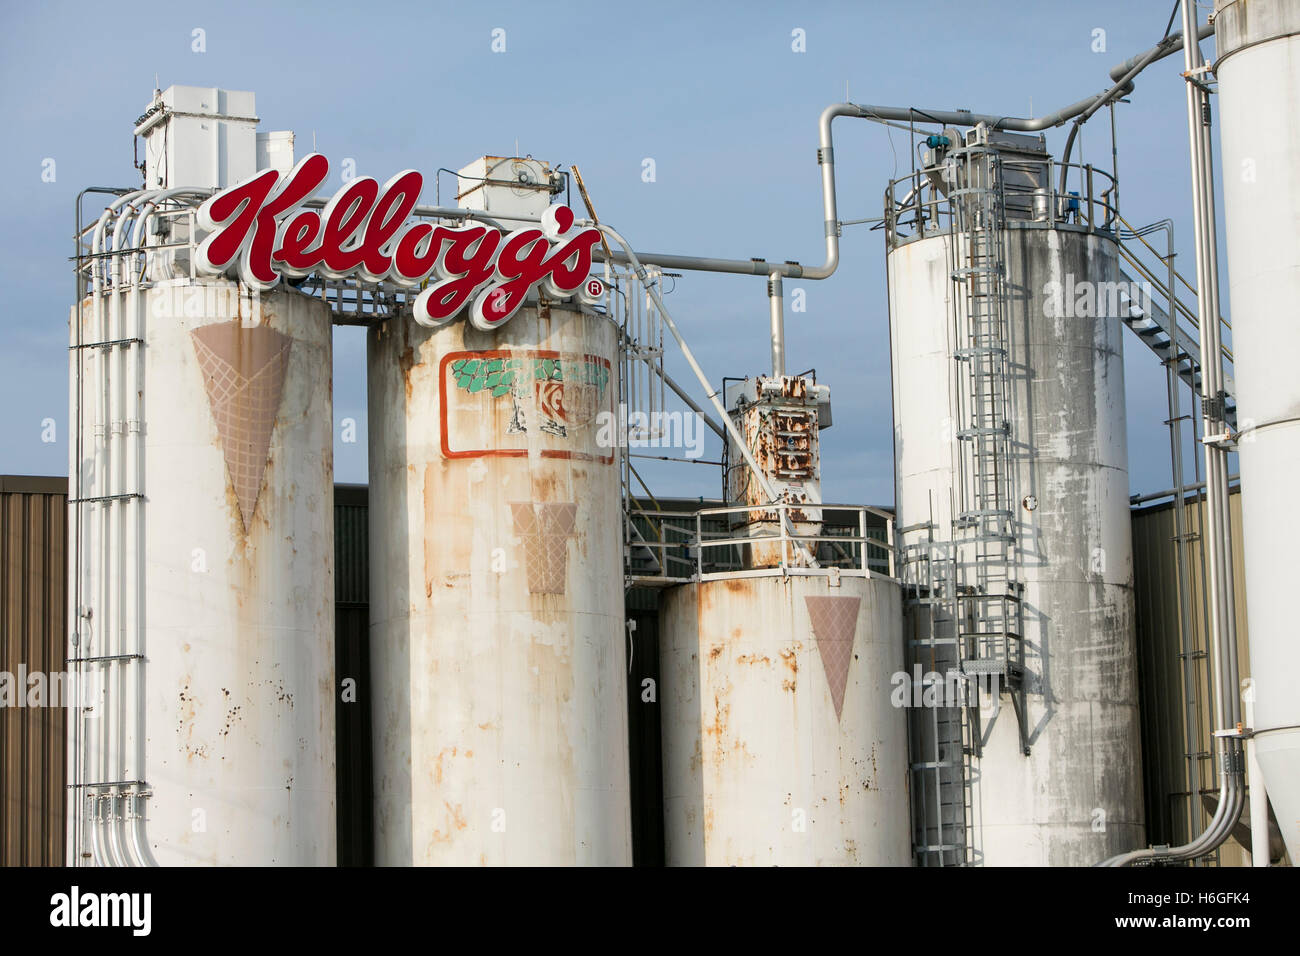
point(1153, 326)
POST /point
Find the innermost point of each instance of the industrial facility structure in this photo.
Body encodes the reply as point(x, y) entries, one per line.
point(509, 651)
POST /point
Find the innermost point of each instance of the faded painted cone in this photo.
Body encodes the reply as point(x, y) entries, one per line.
point(834, 622)
point(243, 370)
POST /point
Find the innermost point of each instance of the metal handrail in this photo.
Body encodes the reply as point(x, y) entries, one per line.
point(1190, 288)
point(780, 517)
point(1147, 274)
point(937, 207)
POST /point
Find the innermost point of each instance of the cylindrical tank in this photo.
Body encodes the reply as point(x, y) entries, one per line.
point(239, 585)
point(1075, 798)
point(497, 638)
point(781, 743)
point(1258, 69)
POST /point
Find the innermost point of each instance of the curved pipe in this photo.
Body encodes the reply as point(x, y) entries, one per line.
point(1122, 86)
point(115, 839)
point(1222, 617)
point(1123, 75)
point(80, 802)
point(826, 159)
point(104, 844)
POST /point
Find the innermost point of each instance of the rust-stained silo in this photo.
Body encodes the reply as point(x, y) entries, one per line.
point(203, 579)
point(783, 741)
point(497, 638)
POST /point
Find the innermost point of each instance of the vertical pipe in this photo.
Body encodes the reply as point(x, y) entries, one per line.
point(775, 300)
point(1259, 852)
point(1221, 591)
point(1223, 637)
point(1180, 538)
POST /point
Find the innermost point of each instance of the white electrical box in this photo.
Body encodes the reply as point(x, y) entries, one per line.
point(275, 151)
point(199, 136)
point(507, 185)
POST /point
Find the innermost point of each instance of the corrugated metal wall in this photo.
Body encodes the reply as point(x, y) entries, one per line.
point(645, 765)
point(1160, 675)
point(33, 625)
point(352, 664)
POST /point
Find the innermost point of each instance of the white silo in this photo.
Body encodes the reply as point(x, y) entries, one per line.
point(202, 552)
point(497, 641)
point(239, 596)
point(1012, 497)
point(1258, 69)
point(235, 583)
point(782, 743)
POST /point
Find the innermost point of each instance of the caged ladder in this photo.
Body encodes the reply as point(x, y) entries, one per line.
point(991, 633)
point(941, 745)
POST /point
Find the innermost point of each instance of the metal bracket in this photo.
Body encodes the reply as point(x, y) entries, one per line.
point(1225, 440)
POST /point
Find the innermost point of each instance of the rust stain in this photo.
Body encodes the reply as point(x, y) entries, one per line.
point(455, 822)
point(437, 763)
point(185, 725)
point(721, 712)
point(546, 485)
point(430, 541)
point(754, 659)
point(406, 361)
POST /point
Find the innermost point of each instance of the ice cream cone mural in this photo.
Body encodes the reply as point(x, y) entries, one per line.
point(243, 371)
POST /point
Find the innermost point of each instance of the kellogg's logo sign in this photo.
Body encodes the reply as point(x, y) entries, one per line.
point(259, 229)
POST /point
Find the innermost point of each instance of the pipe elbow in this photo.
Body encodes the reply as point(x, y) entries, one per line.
point(828, 115)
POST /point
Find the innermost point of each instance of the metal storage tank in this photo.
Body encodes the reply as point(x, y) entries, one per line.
point(1012, 496)
point(236, 667)
point(1258, 69)
point(497, 638)
point(781, 743)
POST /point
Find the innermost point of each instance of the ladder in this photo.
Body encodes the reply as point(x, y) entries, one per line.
point(990, 592)
point(941, 735)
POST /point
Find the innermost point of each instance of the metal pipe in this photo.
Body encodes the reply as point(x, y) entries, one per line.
point(775, 296)
point(691, 403)
point(1190, 695)
point(826, 159)
point(138, 801)
point(768, 490)
point(1259, 849)
point(1122, 86)
point(117, 832)
point(1223, 638)
point(103, 843)
point(117, 567)
point(680, 392)
point(79, 799)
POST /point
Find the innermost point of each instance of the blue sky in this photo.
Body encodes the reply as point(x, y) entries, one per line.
point(712, 92)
